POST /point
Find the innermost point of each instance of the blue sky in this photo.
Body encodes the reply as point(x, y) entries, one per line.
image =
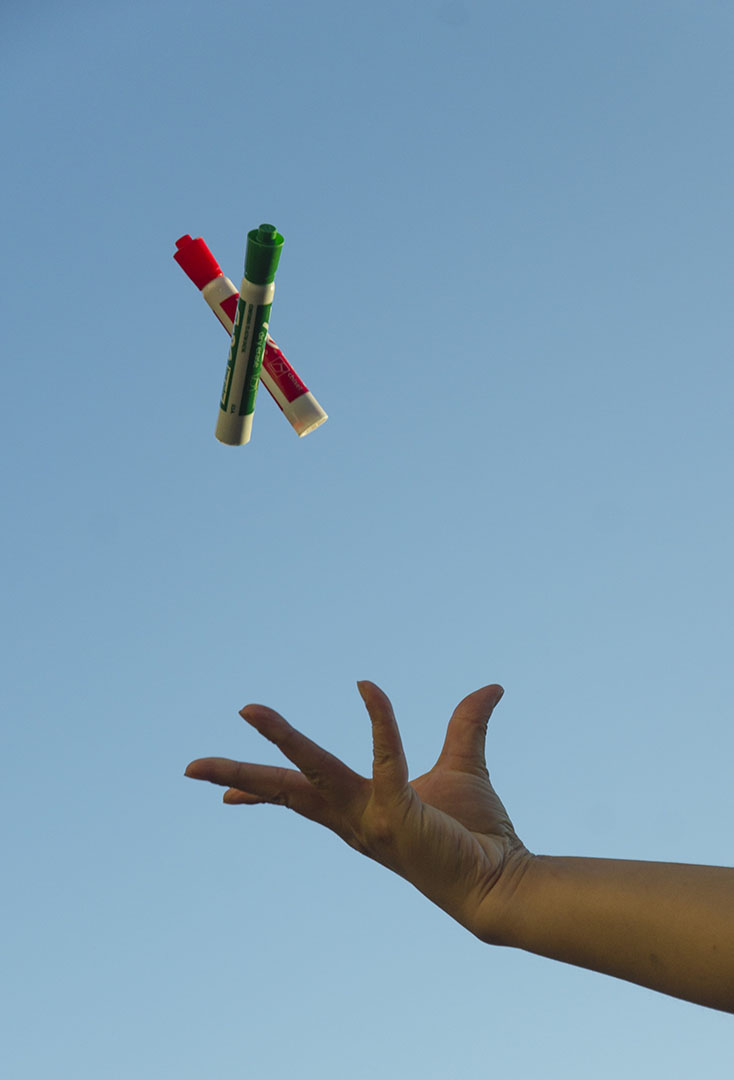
point(507, 277)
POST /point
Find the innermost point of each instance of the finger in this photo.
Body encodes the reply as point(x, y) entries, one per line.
point(233, 797)
point(260, 783)
point(308, 804)
point(389, 767)
point(466, 734)
point(266, 780)
point(325, 771)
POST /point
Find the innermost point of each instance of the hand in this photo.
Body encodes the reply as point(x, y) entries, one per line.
point(446, 832)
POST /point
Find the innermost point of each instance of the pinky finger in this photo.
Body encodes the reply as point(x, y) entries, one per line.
point(233, 797)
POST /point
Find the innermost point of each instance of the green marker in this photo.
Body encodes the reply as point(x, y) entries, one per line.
point(242, 377)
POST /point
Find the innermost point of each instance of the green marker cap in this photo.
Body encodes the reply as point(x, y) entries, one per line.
point(262, 256)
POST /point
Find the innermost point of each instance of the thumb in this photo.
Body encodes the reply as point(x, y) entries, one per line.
point(463, 746)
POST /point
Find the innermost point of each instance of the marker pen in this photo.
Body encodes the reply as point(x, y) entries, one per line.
point(289, 392)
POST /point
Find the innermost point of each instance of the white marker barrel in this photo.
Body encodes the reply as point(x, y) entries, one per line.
point(241, 378)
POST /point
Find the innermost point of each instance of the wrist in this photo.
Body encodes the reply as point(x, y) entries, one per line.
point(506, 909)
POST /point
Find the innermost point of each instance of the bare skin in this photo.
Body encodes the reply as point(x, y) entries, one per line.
point(666, 926)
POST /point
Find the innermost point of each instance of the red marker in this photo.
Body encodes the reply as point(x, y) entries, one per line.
point(291, 394)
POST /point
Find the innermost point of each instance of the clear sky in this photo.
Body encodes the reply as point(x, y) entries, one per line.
point(507, 276)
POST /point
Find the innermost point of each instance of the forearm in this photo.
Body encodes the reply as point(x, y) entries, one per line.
point(667, 926)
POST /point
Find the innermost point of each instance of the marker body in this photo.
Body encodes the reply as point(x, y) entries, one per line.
point(221, 295)
point(247, 347)
point(281, 380)
point(241, 379)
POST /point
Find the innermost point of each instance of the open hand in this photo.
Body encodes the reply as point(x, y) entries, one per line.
point(446, 832)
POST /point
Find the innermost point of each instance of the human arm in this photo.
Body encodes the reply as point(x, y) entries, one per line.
point(666, 926)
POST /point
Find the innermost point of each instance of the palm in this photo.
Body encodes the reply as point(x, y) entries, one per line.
point(470, 800)
point(453, 844)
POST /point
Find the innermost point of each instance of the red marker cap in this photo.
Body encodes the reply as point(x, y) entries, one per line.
point(196, 260)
